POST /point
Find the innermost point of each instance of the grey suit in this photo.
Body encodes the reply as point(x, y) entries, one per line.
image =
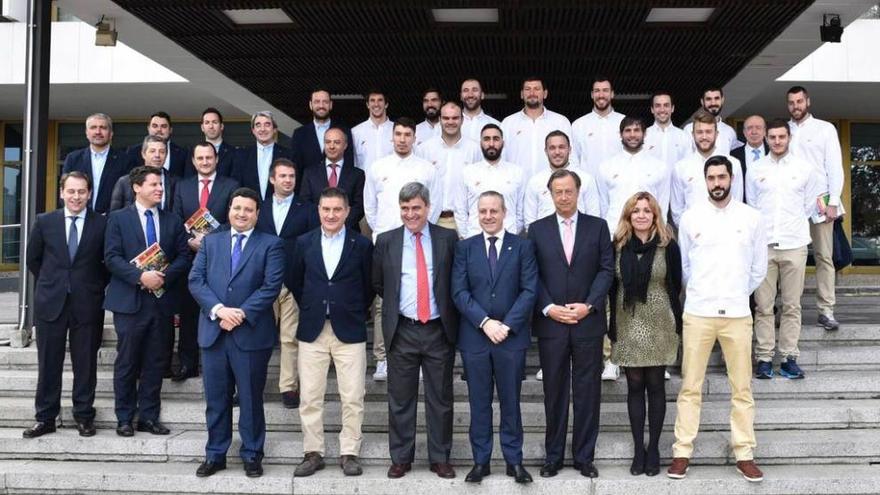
point(413, 346)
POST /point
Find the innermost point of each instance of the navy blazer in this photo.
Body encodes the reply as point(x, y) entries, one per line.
point(253, 287)
point(186, 197)
point(244, 168)
point(348, 291)
point(305, 149)
point(177, 165)
point(509, 297)
point(125, 240)
point(301, 217)
point(57, 279)
point(351, 180)
point(587, 280)
point(123, 194)
point(225, 158)
point(116, 166)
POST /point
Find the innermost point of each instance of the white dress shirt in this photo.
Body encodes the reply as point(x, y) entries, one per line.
point(471, 127)
point(723, 258)
point(329, 169)
point(409, 304)
point(816, 142)
point(625, 174)
point(784, 191)
point(143, 218)
point(668, 143)
point(595, 139)
point(426, 131)
point(450, 160)
point(280, 208)
point(167, 164)
point(331, 250)
point(371, 142)
point(385, 179)
point(99, 160)
point(749, 154)
point(538, 202)
point(264, 163)
point(320, 130)
point(524, 138)
point(498, 243)
point(232, 232)
point(80, 224)
point(725, 141)
point(503, 177)
point(210, 185)
point(560, 222)
point(689, 183)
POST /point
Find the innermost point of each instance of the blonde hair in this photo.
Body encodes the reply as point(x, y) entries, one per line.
point(625, 229)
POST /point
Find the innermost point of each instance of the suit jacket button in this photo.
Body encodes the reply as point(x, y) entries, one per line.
point(229, 289)
point(493, 295)
point(330, 283)
point(324, 301)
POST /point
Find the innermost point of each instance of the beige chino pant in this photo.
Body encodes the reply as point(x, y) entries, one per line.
point(785, 269)
point(287, 317)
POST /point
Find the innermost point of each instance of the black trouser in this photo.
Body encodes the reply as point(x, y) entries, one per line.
point(187, 340)
point(85, 339)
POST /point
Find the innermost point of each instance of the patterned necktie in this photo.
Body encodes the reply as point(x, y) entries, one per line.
point(757, 154)
point(493, 255)
point(334, 179)
point(203, 198)
point(423, 298)
point(151, 228)
point(236, 251)
point(568, 239)
point(73, 238)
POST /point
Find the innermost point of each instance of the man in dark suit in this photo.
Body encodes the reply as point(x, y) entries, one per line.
point(307, 141)
point(153, 153)
point(755, 131)
point(575, 266)
point(330, 277)
point(335, 170)
point(287, 216)
point(235, 278)
point(176, 160)
point(141, 315)
point(494, 281)
point(207, 189)
point(212, 128)
point(252, 163)
point(103, 164)
point(411, 269)
point(66, 257)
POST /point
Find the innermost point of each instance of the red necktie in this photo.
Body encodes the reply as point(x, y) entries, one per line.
point(423, 298)
point(334, 179)
point(203, 199)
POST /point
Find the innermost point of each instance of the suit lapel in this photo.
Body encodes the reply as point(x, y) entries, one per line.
point(58, 224)
point(504, 253)
point(88, 230)
point(245, 253)
point(347, 246)
point(225, 241)
point(437, 254)
point(139, 230)
point(397, 256)
point(580, 236)
point(291, 212)
point(557, 238)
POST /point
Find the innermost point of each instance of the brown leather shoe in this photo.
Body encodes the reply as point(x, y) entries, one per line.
point(679, 468)
point(312, 462)
point(398, 470)
point(350, 465)
point(443, 470)
point(750, 471)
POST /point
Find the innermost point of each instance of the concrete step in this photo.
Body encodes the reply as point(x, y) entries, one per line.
point(851, 446)
point(178, 478)
point(771, 415)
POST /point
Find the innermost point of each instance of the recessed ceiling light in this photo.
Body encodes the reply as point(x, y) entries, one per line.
point(348, 96)
point(496, 96)
point(632, 96)
point(688, 14)
point(258, 16)
point(465, 15)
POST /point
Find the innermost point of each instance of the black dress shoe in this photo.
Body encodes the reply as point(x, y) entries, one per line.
point(638, 463)
point(39, 429)
point(290, 399)
point(154, 427)
point(208, 468)
point(86, 428)
point(550, 469)
point(184, 373)
point(253, 469)
point(477, 473)
point(519, 473)
point(124, 430)
point(235, 400)
point(589, 470)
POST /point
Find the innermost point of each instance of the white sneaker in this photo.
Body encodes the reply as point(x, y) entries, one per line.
point(381, 373)
point(667, 376)
point(611, 372)
point(539, 375)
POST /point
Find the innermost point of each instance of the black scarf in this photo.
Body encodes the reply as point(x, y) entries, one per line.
point(635, 272)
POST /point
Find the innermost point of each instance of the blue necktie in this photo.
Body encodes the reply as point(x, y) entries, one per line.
point(72, 238)
point(236, 251)
point(493, 255)
point(151, 228)
point(757, 154)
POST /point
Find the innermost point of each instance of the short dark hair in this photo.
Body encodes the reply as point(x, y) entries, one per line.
point(405, 122)
point(662, 92)
point(76, 174)
point(433, 90)
point(561, 174)
point(797, 89)
point(630, 120)
point(333, 192)
point(320, 89)
point(711, 87)
point(716, 160)
point(204, 144)
point(375, 91)
point(162, 115)
point(533, 77)
point(245, 192)
point(138, 175)
point(211, 110)
point(601, 78)
point(490, 125)
point(281, 162)
point(776, 124)
point(557, 133)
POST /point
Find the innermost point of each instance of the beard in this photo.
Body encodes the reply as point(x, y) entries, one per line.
point(432, 113)
point(491, 153)
point(719, 193)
